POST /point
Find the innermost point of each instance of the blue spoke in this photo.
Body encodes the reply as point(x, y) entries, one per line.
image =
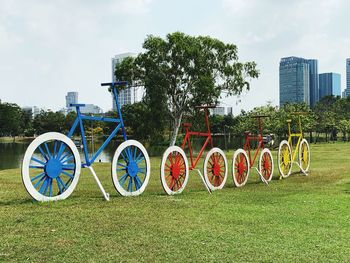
point(48, 151)
point(121, 169)
point(125, 159)
point(47, 185)
point(50, 193)
point(129, 153)
point(142, 170)
point(121, 165)
point(42, 153)
point(54, 148)
point(38, 182)
point(59, 186)
point(139, 156)
point(68, 159)
point(43, 186)
point(143, 158)
point(123, 179)
point(69, 175)
point(135, 152)
point(36, 167)
point(38, 161)
point(37, 176)
point(61, 150)
point(138, 183)
point(64, 156)
point(70, 167)
point(63, 184)
point(130, 185)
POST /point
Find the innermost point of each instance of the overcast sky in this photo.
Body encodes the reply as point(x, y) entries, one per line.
point(48, 48)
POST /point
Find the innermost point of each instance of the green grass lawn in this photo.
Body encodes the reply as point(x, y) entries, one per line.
point(299, 219)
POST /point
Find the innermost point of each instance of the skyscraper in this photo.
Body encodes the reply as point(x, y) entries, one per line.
point(294, 80)
point(129, 95)
point(71, 98)
point(346, 92)
point(314, 82)
point(329, 84)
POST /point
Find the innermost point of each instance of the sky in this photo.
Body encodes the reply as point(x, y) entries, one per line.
point(48, 48)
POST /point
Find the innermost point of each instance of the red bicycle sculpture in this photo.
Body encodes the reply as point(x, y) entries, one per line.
point(174, 171)
point(242, 162)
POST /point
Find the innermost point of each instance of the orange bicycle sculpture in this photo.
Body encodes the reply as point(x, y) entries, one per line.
point(243, 160)
point(174, 171)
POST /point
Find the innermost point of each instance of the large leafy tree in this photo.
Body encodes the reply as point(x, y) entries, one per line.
point(11, 119)
point(182, 71)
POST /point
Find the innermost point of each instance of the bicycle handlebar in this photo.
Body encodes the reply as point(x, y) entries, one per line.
point(115, 84)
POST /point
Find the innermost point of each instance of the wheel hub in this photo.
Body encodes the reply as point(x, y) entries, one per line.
point(175, 171)
point(53, 168)
point(216, 169)
point(241, 167)
point(132, 168)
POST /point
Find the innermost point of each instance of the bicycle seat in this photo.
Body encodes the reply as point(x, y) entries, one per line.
point(187, 124)
point(76, 105)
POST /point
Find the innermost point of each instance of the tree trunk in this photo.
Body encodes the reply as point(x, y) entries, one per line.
point(176, 127)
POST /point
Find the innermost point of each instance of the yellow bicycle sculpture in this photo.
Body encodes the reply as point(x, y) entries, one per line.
point(287, 153)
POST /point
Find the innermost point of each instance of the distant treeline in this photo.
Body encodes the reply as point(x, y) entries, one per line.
point(329, 118)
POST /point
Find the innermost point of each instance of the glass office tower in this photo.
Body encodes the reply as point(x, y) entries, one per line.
point(329, 84)
point(294, 80)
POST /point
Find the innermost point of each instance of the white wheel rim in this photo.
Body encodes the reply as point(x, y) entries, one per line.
point(235, 156)
point(300, 153)
point(163, 174)
point(132, 175)
point(266, 150)
point(284, 142)
point(27, 160)
point(206, 176)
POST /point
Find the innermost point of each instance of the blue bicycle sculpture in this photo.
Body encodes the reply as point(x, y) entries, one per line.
point(51, 165)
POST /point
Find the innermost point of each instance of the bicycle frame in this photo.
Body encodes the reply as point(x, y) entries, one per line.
point(79, 121)
point(187, 140)
point(299, 135)
point(259, 139)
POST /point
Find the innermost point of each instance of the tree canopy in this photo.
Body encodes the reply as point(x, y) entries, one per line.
point(182, 71)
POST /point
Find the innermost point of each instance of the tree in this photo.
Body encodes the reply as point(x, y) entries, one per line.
point(11, 119)
point(48, 121)
point(182, 71)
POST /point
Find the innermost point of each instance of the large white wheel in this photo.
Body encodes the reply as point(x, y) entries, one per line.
point(174, 171)
point(130, 168)
point(241, 167)
point(304, 156)
point(51, 167)
point(284, 159)
point(215, 169)
point(266, 164)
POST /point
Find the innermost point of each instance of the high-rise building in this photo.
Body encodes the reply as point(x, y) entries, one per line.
point(329, 84)
point(294, 80)
point(71, 98)
point(129, 95)
point(346, 92)
point(314, 82)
